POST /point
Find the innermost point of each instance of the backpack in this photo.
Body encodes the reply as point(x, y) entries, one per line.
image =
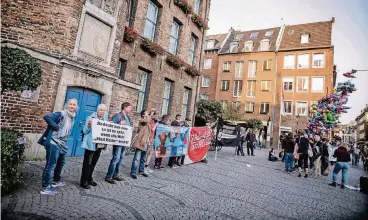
point(317, 151)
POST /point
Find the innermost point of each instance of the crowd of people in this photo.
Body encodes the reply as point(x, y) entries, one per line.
point(59, 128)
point(315, 152)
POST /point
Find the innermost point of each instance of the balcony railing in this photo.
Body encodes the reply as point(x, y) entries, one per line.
point(237, 93)
point(252, 74)
point(251, 94)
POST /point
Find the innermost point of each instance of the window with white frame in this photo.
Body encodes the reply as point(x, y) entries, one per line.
point(264, 45)
point(223, 104)
point(207, 63)
point(302, 84)
point(318, 84)
point(265, 85)
point(210, 44)
point(166, 97)
point(239, 69)
point(206, 81)
point(264, 108)
point(269, 33)
point(289, 61)
point(304, 38)
point(226, 66)
point(303, 60)
point(225, 84)
point(267, 65)
point(151, 21)
point(301, 108)
point(197, 6)
point(252, 68)
point(233, 47)
point(185, 103)
point(238, 87)
point(203, 96)
point(249, 107)
point(251, 88)
point(288, 107)
point(142, 79)
point(318, 60)
point(236, 104)
point(174, 38)
point(239, 36)
point(254, 35)
point(288, 84)
point(248, 46)
point(193, 42)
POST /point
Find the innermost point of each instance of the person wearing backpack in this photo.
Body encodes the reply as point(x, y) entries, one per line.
point(303, 154)
point(317, 153)
point(118, 151)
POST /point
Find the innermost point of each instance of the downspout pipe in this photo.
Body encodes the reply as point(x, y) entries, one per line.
point(200, 65)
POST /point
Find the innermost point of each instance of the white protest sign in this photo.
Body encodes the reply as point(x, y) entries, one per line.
point(104, 132)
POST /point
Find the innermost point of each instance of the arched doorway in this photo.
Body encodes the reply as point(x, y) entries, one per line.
point(88, 101)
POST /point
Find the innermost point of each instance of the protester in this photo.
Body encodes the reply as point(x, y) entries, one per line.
point(272, 155)
point(289, 145)
point(317, 154)
point(342, 163)
point(250, 143)
point(150, 150)
point(118, 151)
point(175, 123)
point(141, 145)
point(325, 157)
point(92, 151)
point(158, 160)
point(303, 154)
point(180, 159)
point(240, 150)
point(54, 139)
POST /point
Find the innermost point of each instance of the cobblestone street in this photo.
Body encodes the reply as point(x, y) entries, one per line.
point(232, 187)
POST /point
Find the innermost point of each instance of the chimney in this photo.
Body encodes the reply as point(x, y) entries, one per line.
point(333, 20)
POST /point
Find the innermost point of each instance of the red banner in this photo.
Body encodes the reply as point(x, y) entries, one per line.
point(200, 140)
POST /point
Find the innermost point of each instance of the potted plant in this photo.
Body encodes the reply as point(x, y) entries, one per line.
point(130, 35)
point(192, 70)
point(184, 5)
point(174, 61)
point(199, 21)
point(151, 47)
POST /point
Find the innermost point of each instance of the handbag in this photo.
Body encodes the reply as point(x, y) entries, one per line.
point(296, 156)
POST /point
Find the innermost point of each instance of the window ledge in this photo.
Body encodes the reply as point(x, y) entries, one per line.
point(318, 67)
point(265, 90)
point(226, 71)
point(289, 68)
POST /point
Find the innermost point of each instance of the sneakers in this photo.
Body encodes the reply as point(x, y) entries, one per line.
point(149, 170)
point(48, 191)
point(85, 186)
point(342, 186)
point(118, 178)
point(144, 174)
point(332, 184)
point(300, 175)
point(175, 166)
point(111, 181)
point(92, 183)
point(58, 184)
point(133, 176)
point(306, 175)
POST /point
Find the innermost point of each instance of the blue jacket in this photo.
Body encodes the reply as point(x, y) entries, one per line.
point(87, 138)
point(118, 117)
point(52, 121)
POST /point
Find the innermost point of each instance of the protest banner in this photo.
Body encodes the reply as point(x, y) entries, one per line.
point(104, 132)
point(200, 140)
point(228, 134)
point(171, 141)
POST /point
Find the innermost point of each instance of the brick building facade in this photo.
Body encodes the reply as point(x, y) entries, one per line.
point(80, 47)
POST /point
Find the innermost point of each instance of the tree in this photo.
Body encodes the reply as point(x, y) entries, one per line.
point(19, 70)
point(233, 113)
point(207, 111)
point(254, 124)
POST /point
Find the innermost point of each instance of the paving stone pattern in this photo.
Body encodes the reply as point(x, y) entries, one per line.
point(222, 189)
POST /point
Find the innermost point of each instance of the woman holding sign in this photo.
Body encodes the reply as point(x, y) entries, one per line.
point(59, 127)
point(92, 151)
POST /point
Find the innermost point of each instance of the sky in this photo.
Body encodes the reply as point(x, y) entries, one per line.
point(349, 33)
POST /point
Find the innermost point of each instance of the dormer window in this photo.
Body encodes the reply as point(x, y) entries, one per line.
point(248, 46)
point(239, 36)
point(265, 45)
point(233, 47)
point(304, 38)
point(254, 35)
point(210, 44)
point(269, 33)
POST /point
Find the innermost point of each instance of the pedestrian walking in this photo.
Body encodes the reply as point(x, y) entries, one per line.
point(92, 151)
point(175, 123)
point(118, 151)
point(289, 145)
point(302, 154)
point(141, 145)
point(240, 150)
point(54, 139)
point(342, 164)
point(317, 154)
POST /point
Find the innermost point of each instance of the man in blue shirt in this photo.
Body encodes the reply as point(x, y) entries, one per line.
point(118, 151)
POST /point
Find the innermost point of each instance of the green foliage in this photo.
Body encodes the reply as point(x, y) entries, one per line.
point(19, 70)
point(233, 113)
point(254, 124)
point(12, 157)
point(207, 111)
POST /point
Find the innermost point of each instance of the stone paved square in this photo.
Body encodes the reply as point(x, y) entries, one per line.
point(223, 189)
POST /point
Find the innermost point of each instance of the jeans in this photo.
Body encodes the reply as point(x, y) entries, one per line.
point(317, 167)
point(240, 149)
point(344, 166)
point(55, 161)
point(139, 160)
point(117, 158)
point(250, 147)
point(355, 160)
point(289, 161)
point(89, 164)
